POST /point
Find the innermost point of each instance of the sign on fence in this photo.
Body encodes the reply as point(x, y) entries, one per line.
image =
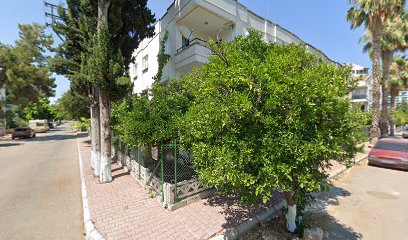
point(155, 153)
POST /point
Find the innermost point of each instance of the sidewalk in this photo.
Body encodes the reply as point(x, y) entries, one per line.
point(123, 209)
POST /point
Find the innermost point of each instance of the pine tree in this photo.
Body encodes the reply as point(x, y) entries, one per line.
point(105, 56)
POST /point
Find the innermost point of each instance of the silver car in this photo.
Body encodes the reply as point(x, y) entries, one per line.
point(405, 132)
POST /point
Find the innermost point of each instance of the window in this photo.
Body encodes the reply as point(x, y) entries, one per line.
point(392, 146)
point(135, 71)
point(145, 63)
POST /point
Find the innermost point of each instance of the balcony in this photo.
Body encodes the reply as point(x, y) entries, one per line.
point(359, 97)
point(193, 54)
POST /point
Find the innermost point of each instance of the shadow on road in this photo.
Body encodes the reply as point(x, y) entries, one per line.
point(56, 130)
point(318, 215)
point(390, 168)
point(9, 144)
point(44, 138)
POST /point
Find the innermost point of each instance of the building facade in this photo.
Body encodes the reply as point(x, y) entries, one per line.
point(190, 24)
point(361, 97)
point(402, 98)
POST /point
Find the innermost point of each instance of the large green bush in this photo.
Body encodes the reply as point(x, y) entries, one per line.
point(258, 116)
point(267, 116)
point(152, 117)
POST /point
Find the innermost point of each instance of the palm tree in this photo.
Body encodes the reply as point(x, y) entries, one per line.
point(398, 81)
point(394, 39)
point(373, 14)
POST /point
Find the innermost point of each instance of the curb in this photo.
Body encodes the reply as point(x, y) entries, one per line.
point(90, 230)
point(245, 227)
point(344, 168)
point(240, 230)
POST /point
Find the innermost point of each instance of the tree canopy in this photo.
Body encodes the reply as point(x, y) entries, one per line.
point(27, 71)
point(267, 116)
point(40, 110)
point(72, 106)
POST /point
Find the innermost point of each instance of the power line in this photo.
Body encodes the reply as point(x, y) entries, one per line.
point(51, 12)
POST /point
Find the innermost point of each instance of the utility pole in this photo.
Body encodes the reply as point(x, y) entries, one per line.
point(3, 117)
point(51, 12)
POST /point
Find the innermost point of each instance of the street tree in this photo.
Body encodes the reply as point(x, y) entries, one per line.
point(112, 32)
point(394, 38)
point(398, 81)
point(72, 106)
point(267, 116)
point(374, 14)
point(120, 28)
point(27, 72)
point(77, 27)
point(39, 110)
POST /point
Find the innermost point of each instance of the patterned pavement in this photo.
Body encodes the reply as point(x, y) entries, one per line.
point(123, 209)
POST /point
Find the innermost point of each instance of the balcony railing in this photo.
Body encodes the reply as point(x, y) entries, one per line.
point(195, 41)
point(359, 96)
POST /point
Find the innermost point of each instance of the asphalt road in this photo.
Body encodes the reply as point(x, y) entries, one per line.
point(40, 195)
point(366, 202)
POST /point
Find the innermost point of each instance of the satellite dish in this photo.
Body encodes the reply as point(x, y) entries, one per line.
point(185, 32)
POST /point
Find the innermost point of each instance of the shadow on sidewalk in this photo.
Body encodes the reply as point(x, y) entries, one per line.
point(318, 215)
point(115, 176)
point(235, 211)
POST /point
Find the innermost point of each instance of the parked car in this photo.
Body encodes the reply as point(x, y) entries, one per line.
point(392, 153)
point(23, 132)
point(405, 132)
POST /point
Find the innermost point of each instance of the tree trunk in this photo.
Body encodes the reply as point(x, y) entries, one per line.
point(392, 115)
point(95, 133)
point(105, 173)
point(387, 57)
point(376, 86)
point(291, 213)
point(104, 108)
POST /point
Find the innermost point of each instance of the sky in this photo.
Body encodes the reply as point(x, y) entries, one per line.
point(320, 23)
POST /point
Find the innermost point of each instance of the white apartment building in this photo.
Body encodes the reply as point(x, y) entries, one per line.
point(362, 95)
point(190, 23)
point(402, 98)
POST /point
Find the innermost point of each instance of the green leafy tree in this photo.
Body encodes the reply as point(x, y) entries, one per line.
point(108, 35)
point(152, 117)
point(120, 31)
point(27, 71)
point(401, 115)
point(267, 116)
point(72, 106)
point(374, 14)
point(40, 110)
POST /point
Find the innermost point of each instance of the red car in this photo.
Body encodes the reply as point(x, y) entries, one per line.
point(23, 132)
point(392, 153)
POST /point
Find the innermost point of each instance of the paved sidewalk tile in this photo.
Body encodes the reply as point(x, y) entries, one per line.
point(123, 209)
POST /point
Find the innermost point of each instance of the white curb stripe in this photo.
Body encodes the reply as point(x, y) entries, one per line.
point(90, 230)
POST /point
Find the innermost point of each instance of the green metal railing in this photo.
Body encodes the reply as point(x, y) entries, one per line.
point(174, 166)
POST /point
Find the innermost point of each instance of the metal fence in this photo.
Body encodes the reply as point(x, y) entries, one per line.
point(166, 169)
